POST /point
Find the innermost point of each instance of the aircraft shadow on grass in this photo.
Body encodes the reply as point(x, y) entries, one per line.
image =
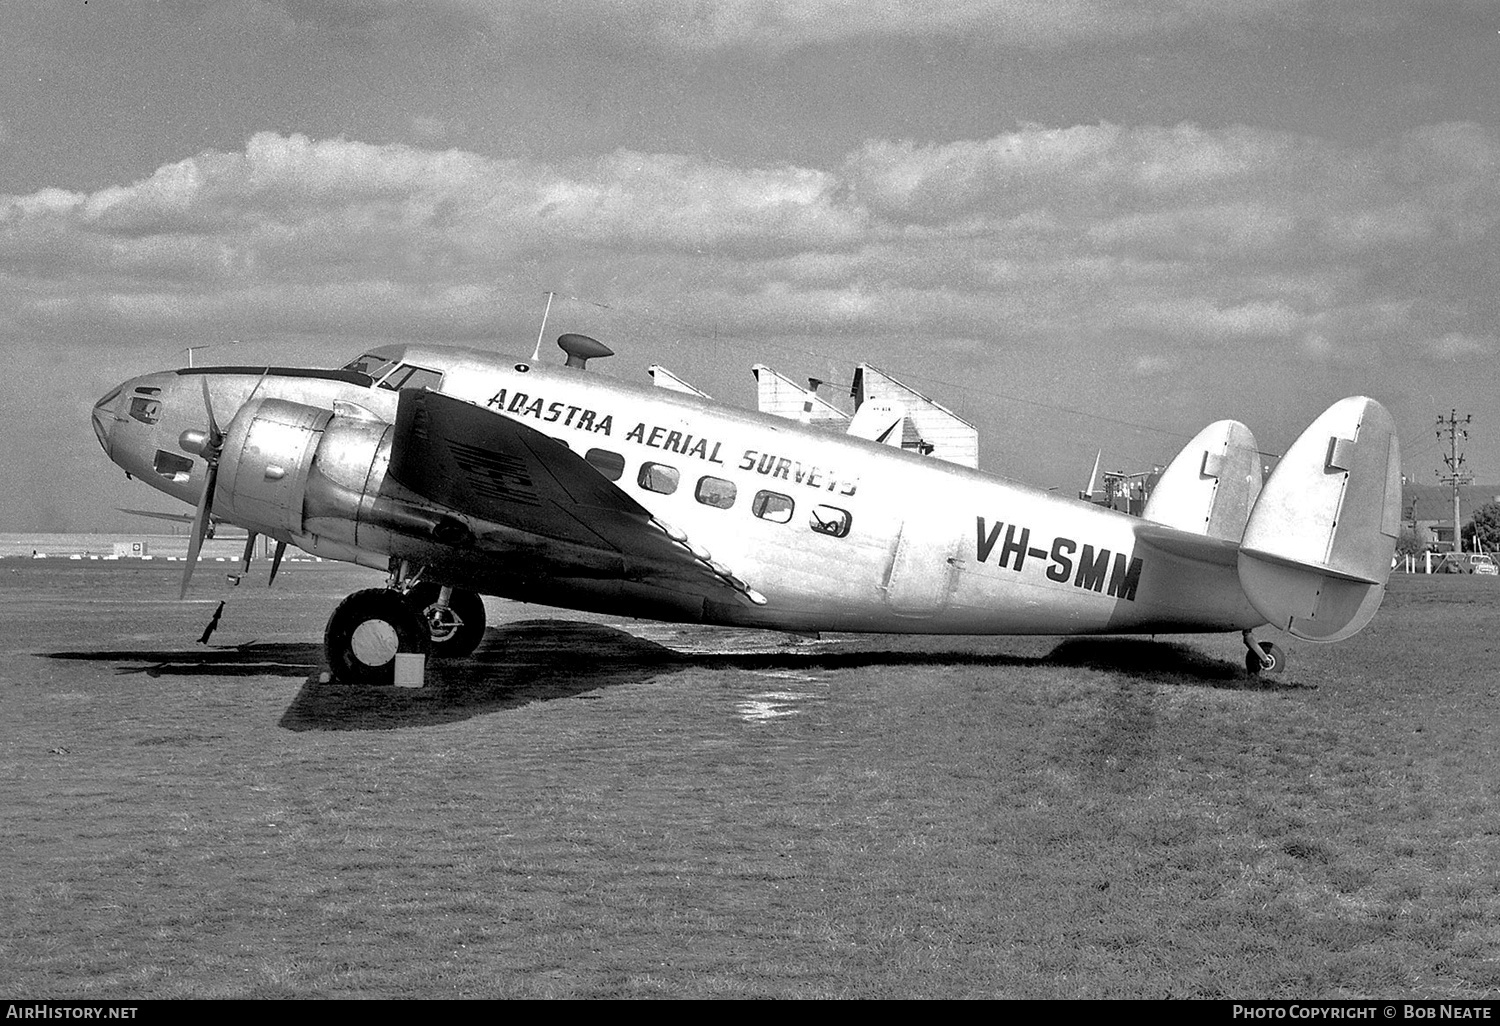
point(546, 660)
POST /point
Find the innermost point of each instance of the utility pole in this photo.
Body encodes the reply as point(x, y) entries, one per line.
point(1456, 475)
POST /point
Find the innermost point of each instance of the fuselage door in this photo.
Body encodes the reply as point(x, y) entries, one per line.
point(924, 565)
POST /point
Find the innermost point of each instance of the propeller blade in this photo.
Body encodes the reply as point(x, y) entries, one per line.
point(200, 525)
point(276, 562)
point(249, 552)
point(181, 518)
point(215, 435)
point(203, 520)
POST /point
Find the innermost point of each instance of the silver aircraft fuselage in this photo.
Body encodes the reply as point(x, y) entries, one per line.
point(837, 533)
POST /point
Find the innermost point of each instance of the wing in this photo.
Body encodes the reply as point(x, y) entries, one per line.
point(485, 465)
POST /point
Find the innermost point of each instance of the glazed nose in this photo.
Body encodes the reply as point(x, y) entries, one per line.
point(103, 416)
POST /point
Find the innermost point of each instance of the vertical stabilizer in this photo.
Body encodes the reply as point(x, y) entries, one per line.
point(1211, 485)
point(1317, 550)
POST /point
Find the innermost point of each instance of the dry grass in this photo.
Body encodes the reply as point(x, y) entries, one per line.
point(586, 813)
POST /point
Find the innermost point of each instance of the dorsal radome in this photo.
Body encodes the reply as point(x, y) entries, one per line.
point(581, 349)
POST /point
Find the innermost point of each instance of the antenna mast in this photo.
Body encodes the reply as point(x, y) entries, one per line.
point(536, 354)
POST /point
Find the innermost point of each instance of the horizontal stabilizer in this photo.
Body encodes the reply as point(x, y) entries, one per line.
point(1212, 484)
point(1317, 550)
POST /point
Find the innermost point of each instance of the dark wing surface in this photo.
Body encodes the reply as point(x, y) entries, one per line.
point(485, 465)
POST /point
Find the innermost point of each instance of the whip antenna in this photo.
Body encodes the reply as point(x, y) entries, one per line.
point(536, 354)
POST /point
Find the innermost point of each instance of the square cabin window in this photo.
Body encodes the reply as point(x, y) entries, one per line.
point(830, 520)
point(772, 506)
point(716, 492)
point(610, 464)
point(658, 477)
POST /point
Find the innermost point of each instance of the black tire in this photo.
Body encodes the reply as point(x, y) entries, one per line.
point(1255, 667)
point(366, 632)
point(457, 633)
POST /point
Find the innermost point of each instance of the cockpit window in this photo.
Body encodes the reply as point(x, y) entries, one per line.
point(371, 364)
point(407, 376)
point(147, 411)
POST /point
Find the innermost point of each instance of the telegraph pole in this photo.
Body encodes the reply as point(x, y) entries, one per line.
point(1456, 474)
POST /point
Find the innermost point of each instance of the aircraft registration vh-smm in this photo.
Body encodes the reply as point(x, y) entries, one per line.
point(464, 473)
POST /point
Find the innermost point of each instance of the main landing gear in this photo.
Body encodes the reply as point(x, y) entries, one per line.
point(371, 627)
point(1262, 657)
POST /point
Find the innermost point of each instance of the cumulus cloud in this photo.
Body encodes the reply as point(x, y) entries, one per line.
point(716, 24)
point(1456, 345)
point(1164, 237)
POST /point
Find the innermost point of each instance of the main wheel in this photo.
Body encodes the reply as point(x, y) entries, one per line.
point(1275, 660)
point(454, 632)
point(366, 632)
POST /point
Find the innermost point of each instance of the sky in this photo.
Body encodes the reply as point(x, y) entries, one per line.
point(1080, 224)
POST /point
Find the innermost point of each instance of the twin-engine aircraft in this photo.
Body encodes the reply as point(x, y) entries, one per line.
point(465, 473)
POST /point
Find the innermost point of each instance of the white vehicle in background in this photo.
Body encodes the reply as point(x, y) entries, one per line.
point(1468, 563)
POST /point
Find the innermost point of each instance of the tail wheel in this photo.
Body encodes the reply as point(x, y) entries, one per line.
point(367, 631)
point(454, 632)
point(1274, 662)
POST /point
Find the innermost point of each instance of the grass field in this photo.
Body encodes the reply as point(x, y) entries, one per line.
point(596, 809)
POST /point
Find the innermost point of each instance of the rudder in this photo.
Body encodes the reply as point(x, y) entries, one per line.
point(1316, 553)
point(1212, 484)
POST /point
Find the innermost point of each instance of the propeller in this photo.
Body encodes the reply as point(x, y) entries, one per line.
point(209, 447)
point(276, 562)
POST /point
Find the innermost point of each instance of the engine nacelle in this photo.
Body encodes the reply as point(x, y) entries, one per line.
point(288, 469)
point(264, 464)
point(317, 478)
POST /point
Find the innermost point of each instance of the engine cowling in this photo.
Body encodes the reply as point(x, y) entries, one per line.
point(317, 478)
point(284, 463)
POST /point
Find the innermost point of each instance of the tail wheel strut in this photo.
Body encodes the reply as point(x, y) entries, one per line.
point(1263, 656)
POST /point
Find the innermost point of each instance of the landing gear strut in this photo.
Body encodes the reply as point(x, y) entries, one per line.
point(1262, 657)
point(455, 618)
point(408, 617)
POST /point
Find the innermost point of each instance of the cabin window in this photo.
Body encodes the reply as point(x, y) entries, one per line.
point(172, 466)
point(772, 506)
point(147, 411)
point(407, 376)
point(658, 477)
point(830, 520)
point(715, 491)
point(610, 464)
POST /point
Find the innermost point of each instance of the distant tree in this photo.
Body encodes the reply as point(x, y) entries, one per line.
point(1407, 544)
point(1486, 524)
